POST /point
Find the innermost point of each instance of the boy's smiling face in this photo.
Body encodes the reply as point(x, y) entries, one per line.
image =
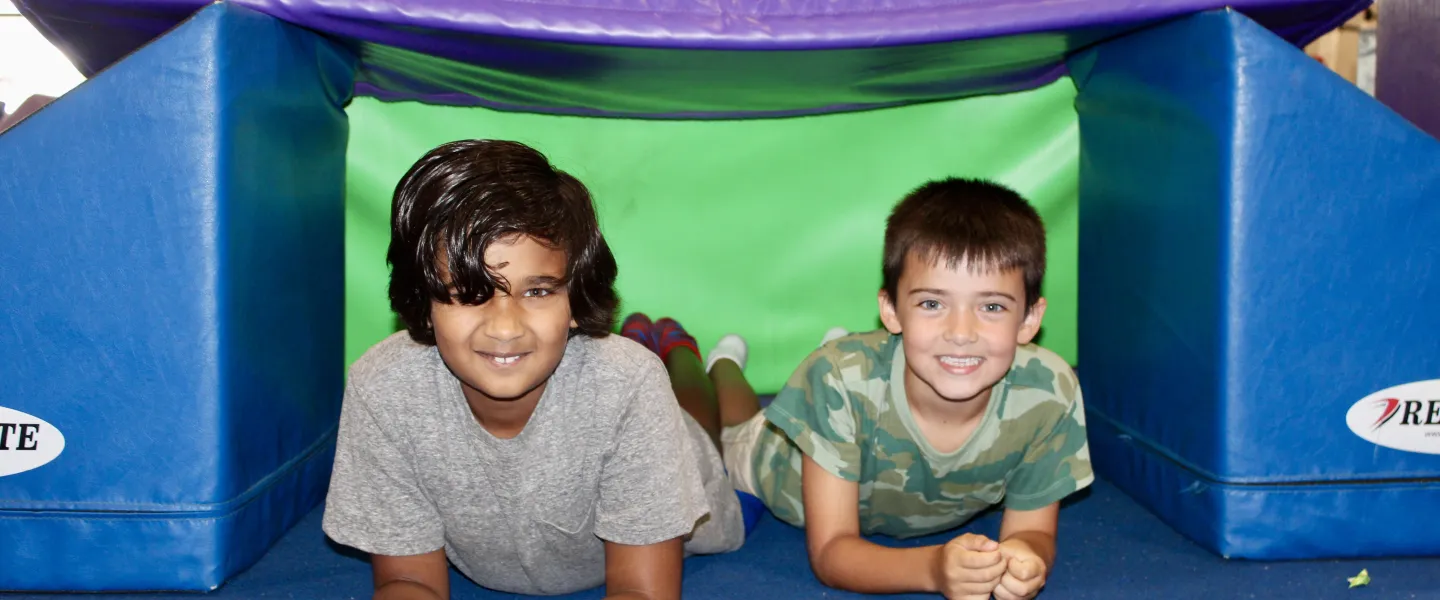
point(959, 327)
point(507, 348)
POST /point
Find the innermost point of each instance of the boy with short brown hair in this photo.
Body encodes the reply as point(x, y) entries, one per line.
point(914, 429)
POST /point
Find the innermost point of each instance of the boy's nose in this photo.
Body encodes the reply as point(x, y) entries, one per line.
point(962, 327)
point(503, 324)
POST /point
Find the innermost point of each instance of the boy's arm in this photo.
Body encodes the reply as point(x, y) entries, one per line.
point(1027, 541)
point(841, 558)
point(1056, 464)
point(968, 567)
point(419, 577)
point(651, 492)
point(649, 572)
point(1033, 528)
point(375, 505)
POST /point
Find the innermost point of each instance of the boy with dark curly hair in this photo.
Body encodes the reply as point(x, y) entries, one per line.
point(505, 429)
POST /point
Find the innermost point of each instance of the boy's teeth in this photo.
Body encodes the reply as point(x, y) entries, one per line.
point(505, 360)
point(969, 361)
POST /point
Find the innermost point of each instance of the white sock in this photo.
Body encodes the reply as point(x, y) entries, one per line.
point(732, 347)
point(833, 334)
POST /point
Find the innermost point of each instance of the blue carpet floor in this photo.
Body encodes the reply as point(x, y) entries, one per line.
point(1110, 549)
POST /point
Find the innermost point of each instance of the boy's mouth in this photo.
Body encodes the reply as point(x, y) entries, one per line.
point(503, 359)
point(961, 365)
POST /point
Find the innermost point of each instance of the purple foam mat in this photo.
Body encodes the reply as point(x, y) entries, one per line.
point(96, 33)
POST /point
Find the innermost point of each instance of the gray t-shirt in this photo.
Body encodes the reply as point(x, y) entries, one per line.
point(608, 454)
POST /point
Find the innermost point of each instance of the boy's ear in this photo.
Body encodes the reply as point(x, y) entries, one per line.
point(1031, 325)
point(887, 313)
point(574, 324)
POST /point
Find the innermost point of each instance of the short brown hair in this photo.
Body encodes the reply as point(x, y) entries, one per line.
point(463, 196)
point(955, 220)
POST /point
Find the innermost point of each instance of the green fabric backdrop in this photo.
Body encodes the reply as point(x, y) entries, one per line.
point(771, 228)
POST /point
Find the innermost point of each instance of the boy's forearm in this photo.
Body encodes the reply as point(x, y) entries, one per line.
point(1041, 543)
point(853, 564)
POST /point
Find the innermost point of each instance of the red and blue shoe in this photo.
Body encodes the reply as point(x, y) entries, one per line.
point(638, 327)
point(669, 335)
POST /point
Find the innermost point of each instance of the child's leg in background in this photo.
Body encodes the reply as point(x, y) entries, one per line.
point(716, 392)
point(726, 366)
point(697, 395)
point(738, 401)
point(682, 360)
point(740, 421)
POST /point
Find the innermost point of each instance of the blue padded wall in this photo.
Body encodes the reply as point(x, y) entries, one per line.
point(171, 252)
point(1257, 255)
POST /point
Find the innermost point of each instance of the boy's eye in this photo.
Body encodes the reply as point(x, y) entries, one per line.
point(537, 293)
point(930, 304)
point(994, 307)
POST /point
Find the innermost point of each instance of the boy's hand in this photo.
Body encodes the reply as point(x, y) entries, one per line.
point(1024, 572)
point(970, 568)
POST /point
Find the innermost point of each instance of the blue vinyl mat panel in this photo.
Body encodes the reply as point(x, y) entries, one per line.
point(172, 242)
point(1257, 325)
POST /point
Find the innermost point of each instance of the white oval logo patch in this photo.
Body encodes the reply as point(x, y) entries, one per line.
point(26, 442)
point(1405, 417)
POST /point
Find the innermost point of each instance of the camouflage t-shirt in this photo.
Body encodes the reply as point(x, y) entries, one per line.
point(841, 409)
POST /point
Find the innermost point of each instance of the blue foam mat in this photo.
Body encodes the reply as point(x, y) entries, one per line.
point(1257, 256)
point(1269, 521)
point(1110, 549)
point(172, 241)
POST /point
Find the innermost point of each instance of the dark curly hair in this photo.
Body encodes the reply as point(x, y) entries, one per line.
point(954, 220)
point(463, 196)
